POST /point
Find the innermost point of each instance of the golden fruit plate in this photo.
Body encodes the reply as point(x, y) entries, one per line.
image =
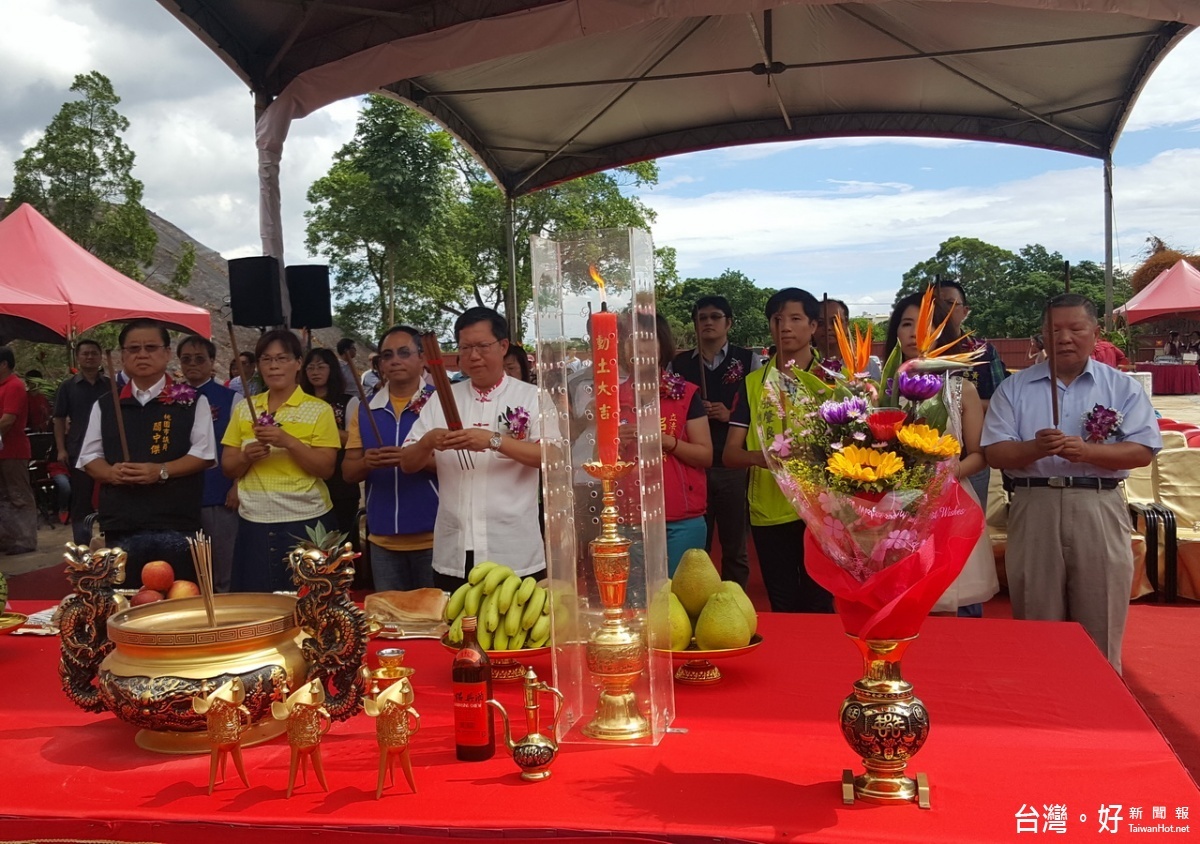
point(10, 621)
point(506, 665)
point(696, 666)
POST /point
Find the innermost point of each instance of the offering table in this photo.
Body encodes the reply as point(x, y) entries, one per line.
point(1024, 714)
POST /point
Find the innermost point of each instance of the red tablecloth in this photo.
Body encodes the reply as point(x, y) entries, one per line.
point(1172, 379)
point(1023, 714)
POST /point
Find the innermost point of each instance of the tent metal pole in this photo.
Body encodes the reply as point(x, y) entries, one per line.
point(510, 299)
point(1108, 242)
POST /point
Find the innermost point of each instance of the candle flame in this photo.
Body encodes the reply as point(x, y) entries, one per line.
point(599, 281)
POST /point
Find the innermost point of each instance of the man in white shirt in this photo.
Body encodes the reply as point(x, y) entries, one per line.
point(488, 472)
point(151, 501)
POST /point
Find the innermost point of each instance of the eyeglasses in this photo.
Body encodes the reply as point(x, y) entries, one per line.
point(473, 348)
point(149, 348)
point(404, 354)
point(267, 360)
point(189, 359)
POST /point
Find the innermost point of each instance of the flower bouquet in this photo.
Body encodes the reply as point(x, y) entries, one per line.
point(869, 466)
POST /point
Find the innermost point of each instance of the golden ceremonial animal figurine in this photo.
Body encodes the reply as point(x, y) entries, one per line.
point(337, 645)
point(226, 719)
point(94, 576)
point(307, 723)
point(395, 723)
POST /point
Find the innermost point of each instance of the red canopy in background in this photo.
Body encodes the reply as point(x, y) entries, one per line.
point(49, 280)
point(1175, 292)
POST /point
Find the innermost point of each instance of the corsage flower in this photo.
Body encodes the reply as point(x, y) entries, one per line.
point(516, 420)
point(180, 394)
point(671, 386)
point(1100, 423)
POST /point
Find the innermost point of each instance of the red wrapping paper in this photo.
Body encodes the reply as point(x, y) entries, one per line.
point(894, 602)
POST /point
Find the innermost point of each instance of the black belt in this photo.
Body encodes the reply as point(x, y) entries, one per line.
point(1068, 482)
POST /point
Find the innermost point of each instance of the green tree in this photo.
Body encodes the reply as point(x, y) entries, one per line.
point(382, 216)
point(412, 225)
point(1008, 290)
point(80, 176)
point(748, 301)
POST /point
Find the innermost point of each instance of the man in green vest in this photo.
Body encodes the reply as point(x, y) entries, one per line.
point(792, 315)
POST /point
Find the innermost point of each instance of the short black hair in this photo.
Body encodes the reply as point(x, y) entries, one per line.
point(344, 344)
point(88, 341)
point(197, 340)
point(471, 316)
point(812, 308)
point(7, 356)
point(282, 336)
point(136, 324)
point(718, 302)
point(842, 306)
point(1072, 300)
point(250, 356)
point(951, 283)
point(415, 333)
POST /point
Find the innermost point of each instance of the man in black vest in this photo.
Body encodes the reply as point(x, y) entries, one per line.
point(718, 368)
point(150, 498)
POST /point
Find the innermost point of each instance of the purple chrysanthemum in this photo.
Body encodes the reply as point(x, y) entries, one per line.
point(842, 412)
point(918, 387)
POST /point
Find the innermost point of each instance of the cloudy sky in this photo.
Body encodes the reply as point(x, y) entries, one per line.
point(846, 217)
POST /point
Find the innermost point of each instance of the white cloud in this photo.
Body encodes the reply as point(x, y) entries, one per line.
point(1169, 99)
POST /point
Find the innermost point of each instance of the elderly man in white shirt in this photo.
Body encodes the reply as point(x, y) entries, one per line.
point(488, 472)
point(150, 498)
point(1069, 556)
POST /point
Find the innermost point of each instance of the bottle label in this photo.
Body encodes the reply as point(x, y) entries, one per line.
point(471, 715)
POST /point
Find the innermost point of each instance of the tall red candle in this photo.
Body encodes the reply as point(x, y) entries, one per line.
point(604, 383)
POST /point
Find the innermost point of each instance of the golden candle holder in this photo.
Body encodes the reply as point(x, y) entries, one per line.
point(616, 655)
point(885, 724)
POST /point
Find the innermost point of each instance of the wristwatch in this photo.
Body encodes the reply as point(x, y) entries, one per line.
point(163, 474)
point(494, 442)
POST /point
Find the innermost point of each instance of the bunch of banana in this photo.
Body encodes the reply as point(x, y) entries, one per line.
point(512, 612)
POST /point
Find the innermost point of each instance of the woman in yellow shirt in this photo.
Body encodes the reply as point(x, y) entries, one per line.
point(280, 459)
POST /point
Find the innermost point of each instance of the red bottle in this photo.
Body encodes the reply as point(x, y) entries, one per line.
point(474, 732)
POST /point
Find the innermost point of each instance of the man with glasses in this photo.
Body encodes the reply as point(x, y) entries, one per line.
point(401, 508)
point(150, 501)
point(488, 472)
point(72, 408)
point(723, 367)
point(219, 503)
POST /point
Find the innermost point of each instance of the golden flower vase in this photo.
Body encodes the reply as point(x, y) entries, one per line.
point(885, 724)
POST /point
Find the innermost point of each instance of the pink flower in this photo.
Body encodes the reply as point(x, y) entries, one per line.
point(672, 386)
point(516, 420)
point(734, 373)
point(419, 402)
point(781, 446)
point(180, 394)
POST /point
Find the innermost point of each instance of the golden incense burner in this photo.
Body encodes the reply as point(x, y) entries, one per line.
point(146, 664)
point(616, 655)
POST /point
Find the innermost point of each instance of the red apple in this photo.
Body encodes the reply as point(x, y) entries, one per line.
point(146, 596)
point(158, 575)
point(183, 589)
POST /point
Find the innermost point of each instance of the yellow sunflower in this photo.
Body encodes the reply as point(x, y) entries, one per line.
point(929, 441)
point(864, 465)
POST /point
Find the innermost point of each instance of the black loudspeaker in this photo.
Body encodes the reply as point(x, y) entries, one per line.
point(308, 290)
point(254, 295)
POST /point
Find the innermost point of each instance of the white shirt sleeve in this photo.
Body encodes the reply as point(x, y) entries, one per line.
point(92, 447)
point(203, 440)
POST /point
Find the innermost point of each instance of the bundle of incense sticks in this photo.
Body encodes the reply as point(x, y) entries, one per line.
point(116, 400)
point(201, 548)
point(441, 382)
point(362, 396)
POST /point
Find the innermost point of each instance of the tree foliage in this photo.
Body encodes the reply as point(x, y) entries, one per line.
point(1007, 290)
point(80, 176)
point(406, 216)
point(675, 301)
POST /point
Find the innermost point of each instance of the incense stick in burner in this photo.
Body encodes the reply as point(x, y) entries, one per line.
point(201, 548)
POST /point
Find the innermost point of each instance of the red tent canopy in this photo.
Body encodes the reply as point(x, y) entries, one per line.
point(48, 279)
point(1174, 293)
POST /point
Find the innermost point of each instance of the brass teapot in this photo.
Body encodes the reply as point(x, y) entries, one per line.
point(534, 753)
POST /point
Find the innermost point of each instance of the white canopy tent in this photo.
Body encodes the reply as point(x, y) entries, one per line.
point(543, 91)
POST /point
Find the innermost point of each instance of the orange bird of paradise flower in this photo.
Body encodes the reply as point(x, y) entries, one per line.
point(935, 359)
point(856, 353)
